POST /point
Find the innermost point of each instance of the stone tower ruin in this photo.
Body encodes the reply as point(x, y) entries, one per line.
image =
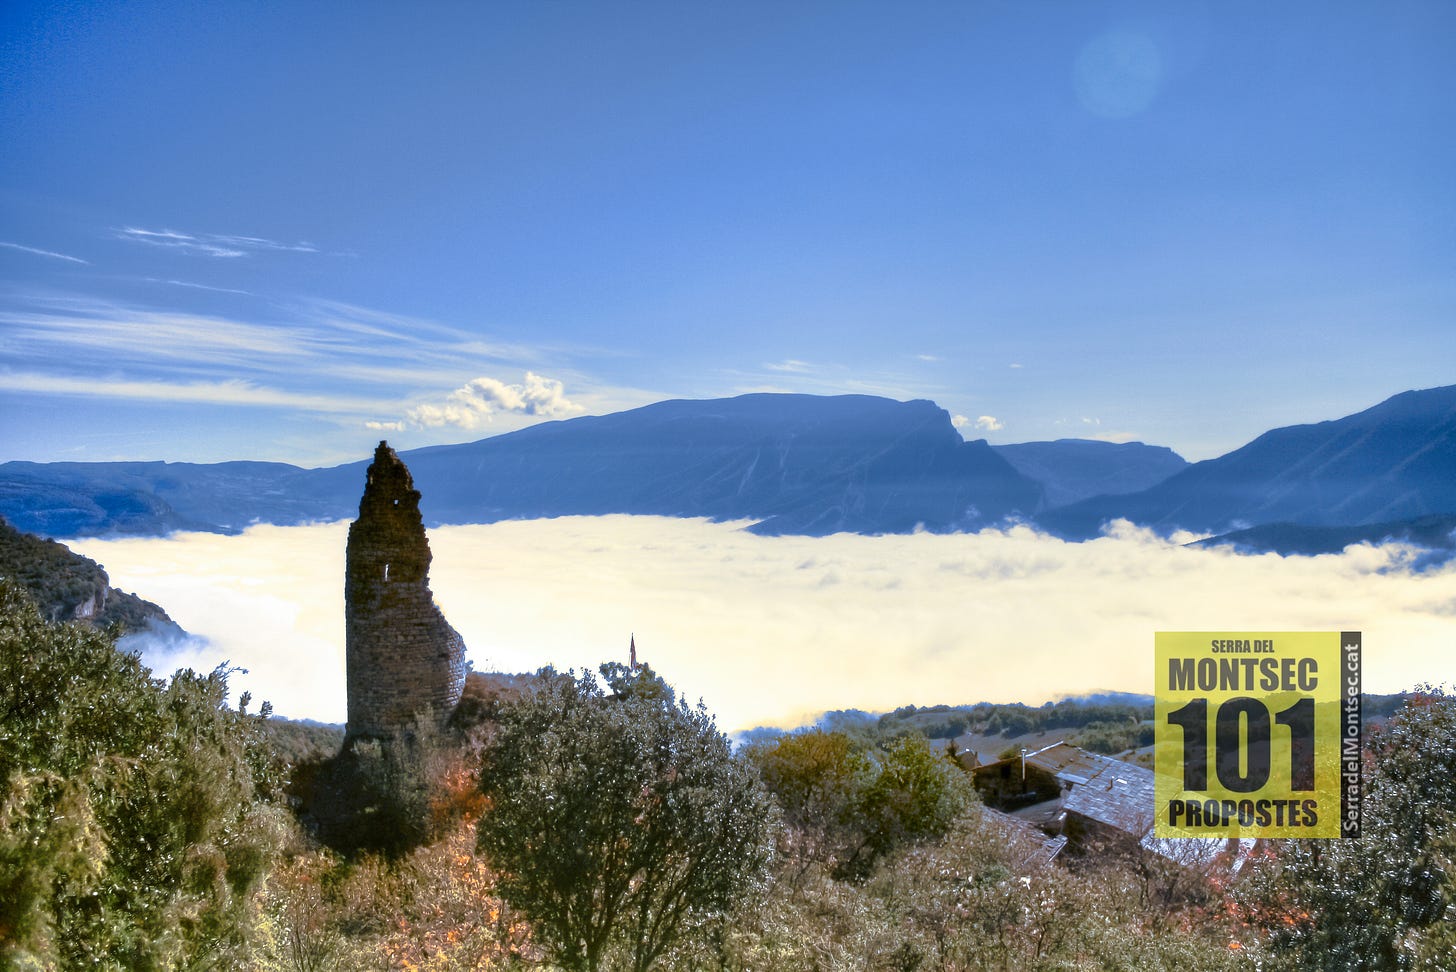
point(402, 655)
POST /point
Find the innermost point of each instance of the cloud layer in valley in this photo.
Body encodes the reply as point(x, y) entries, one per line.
point(772, 630)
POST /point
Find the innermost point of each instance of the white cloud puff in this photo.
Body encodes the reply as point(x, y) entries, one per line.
point(478, 400)
point(984, 423)
point(776, 629)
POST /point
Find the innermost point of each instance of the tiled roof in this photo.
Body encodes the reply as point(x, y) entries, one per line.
point(1114, 793)
point(1047, 847)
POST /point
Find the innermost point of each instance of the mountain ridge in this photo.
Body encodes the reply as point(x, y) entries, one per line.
point(811, 465)
point(67, 586)
point(1393, 461)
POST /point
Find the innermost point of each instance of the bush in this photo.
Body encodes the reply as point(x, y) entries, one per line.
point(621, 825)
point(845, 806)
point(134, 815)
point(1386, 900)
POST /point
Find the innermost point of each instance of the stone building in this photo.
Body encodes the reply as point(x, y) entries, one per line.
point(402, 655)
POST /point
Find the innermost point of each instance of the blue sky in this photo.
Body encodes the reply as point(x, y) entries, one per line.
point(282, 231)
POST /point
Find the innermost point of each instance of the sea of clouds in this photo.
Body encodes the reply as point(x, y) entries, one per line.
point(774, 630)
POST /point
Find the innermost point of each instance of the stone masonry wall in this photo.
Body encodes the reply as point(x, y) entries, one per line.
point(402, 655)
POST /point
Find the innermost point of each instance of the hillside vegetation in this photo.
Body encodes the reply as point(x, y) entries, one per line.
point(146, 824)
point(1103, 724)
point(66, 586)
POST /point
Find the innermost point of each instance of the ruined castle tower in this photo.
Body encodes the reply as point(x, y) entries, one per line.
point(402, 655)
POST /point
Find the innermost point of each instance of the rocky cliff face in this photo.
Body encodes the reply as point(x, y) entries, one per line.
point(402, 654)
point(92, 606)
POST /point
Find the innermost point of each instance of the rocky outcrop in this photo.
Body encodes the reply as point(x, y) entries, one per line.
point(402, 655)
point(69, 587)
point(92, 606)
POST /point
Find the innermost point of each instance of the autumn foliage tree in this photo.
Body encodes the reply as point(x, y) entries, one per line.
point(1386, 900)
point(845, 805)
point(620, 823)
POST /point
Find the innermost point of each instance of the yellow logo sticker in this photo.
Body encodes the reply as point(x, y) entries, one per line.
point(1257, 734)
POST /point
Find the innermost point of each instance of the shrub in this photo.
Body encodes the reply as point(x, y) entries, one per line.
point(621, 825)
point(134, 814)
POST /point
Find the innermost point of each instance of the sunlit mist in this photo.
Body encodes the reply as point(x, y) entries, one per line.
point(772, 630)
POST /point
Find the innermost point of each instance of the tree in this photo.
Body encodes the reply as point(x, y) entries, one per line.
point(621, 825)
point(917, 794)
point(1386, 900)
point(846, 807)
point(819, 780)
point(133, 818)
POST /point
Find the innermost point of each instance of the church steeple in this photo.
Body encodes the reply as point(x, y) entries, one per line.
point(632, 653)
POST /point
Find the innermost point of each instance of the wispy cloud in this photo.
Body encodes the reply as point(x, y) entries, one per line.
point(45, 253)
point(140, 335)
point(927, 357)
point(177, 241)
point(199, 392)
point(257, 243)
point(198, 286)
point(210, 244)
point(481, 398)
point(791, 366)
point(350, 365)
point(71, 329)
point(379, 323)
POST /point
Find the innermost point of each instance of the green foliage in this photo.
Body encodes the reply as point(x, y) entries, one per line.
point(59, 581)
point(294, 741)
point(621, 825)
point(845, 806)
point(821, 780)
point(1072, 717)
point(917, 795)
point(638, 683)
point(375, 796)
point(133, 826)
point(1114, 737)
point(1386, 900)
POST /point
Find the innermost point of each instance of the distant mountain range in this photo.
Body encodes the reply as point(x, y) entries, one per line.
point(800, 464)
point(797, 464)
point(1433, 533)
point(1389, 464)
point(1070, 470)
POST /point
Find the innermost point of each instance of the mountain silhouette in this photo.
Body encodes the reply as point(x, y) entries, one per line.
point(798, 464)
point(1076, 469)
point(808, 465)
point(795, 464)
point(1394, 461)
